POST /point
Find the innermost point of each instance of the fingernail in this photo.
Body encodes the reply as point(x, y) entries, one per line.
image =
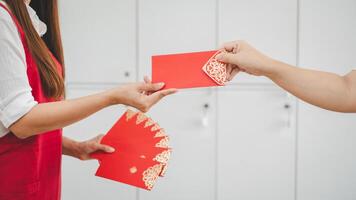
point(111, 150)
point(161, 84)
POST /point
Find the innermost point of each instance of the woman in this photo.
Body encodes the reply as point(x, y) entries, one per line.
point(322, 89)
point(32, 111)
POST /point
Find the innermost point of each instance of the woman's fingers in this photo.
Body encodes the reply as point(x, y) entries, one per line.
point(146, 79)
point(229, 69)
point(151, 87)
point(229, 58)
point(233, 73)
point(157, 96)
point(105, 148)
point(97, 146)
point(229, 46)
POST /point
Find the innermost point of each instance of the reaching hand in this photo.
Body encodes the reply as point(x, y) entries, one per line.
point(240, 56)
point(84, 149)
point(140, 95)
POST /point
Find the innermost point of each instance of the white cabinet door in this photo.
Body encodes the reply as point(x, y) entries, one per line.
point(327, 34)
point(326, 155)
point(79, 181)
point(270, 26)
point(327, 140)
point(189, 119)
point(174, 26)
point(99, 40)
point(256, 146)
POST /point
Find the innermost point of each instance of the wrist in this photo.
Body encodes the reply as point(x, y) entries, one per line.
point(71, 148)
point(273, 68)
point(112, 97)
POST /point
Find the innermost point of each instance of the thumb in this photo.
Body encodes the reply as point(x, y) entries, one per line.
point(229, 58)
point(105, 148)
point(147, 87)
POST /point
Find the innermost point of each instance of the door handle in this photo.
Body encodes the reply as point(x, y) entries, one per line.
point(205, 117)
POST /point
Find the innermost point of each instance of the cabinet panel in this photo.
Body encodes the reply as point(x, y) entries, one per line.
point(174, 26)
point(99, 40)
point(327, 34)
point(270, 26)
point(79, 181)
point(326, 154)
point(256, 146)
point(189, 119)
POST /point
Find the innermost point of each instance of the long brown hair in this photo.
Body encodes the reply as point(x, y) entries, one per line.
point(47, 10)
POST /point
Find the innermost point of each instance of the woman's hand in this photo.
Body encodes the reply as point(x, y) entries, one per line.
point(240, 56)
point(82, 150)
point(139, 95)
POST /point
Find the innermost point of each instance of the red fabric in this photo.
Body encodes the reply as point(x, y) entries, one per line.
point(30, 169)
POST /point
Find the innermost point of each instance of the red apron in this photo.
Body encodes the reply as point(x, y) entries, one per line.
point(30, 169)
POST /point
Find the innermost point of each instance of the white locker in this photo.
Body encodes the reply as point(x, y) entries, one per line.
point(78, 181)
point(99, 40)
point(327, 35)
point(189, 119)
point(270, 26)
point(326, 140)
point(255, 144)
point(326, 155)
point(174, 26)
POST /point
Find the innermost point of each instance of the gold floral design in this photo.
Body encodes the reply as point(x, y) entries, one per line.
point(163, 143)
point(163, 157)
point(150, 175)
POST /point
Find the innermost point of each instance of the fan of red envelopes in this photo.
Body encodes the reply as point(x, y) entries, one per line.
point(141, 151)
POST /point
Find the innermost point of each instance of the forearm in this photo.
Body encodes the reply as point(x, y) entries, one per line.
point(323, 89)
point(50, 116)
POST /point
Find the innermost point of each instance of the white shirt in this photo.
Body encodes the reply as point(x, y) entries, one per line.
point(15, 92)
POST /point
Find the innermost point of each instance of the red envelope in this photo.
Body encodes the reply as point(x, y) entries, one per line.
point(132, 170)
point(183, 70)
point(141, 151)
point(138, 129)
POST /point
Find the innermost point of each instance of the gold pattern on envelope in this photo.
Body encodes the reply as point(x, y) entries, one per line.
point(163, 143)
point(140, 118)
point(216, 70)
point(149, 122)
point(129, 114)
point(156, 127)
point(150, 175)
point(163, 157)
point(161, 133)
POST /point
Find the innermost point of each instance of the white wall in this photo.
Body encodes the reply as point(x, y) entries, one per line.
point(258, 142)
point(327, 140)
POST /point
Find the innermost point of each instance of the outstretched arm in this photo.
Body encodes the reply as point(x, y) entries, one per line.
point(326, 90)
point(50, 116)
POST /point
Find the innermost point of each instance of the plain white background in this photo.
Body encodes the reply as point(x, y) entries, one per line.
point(254, 141)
